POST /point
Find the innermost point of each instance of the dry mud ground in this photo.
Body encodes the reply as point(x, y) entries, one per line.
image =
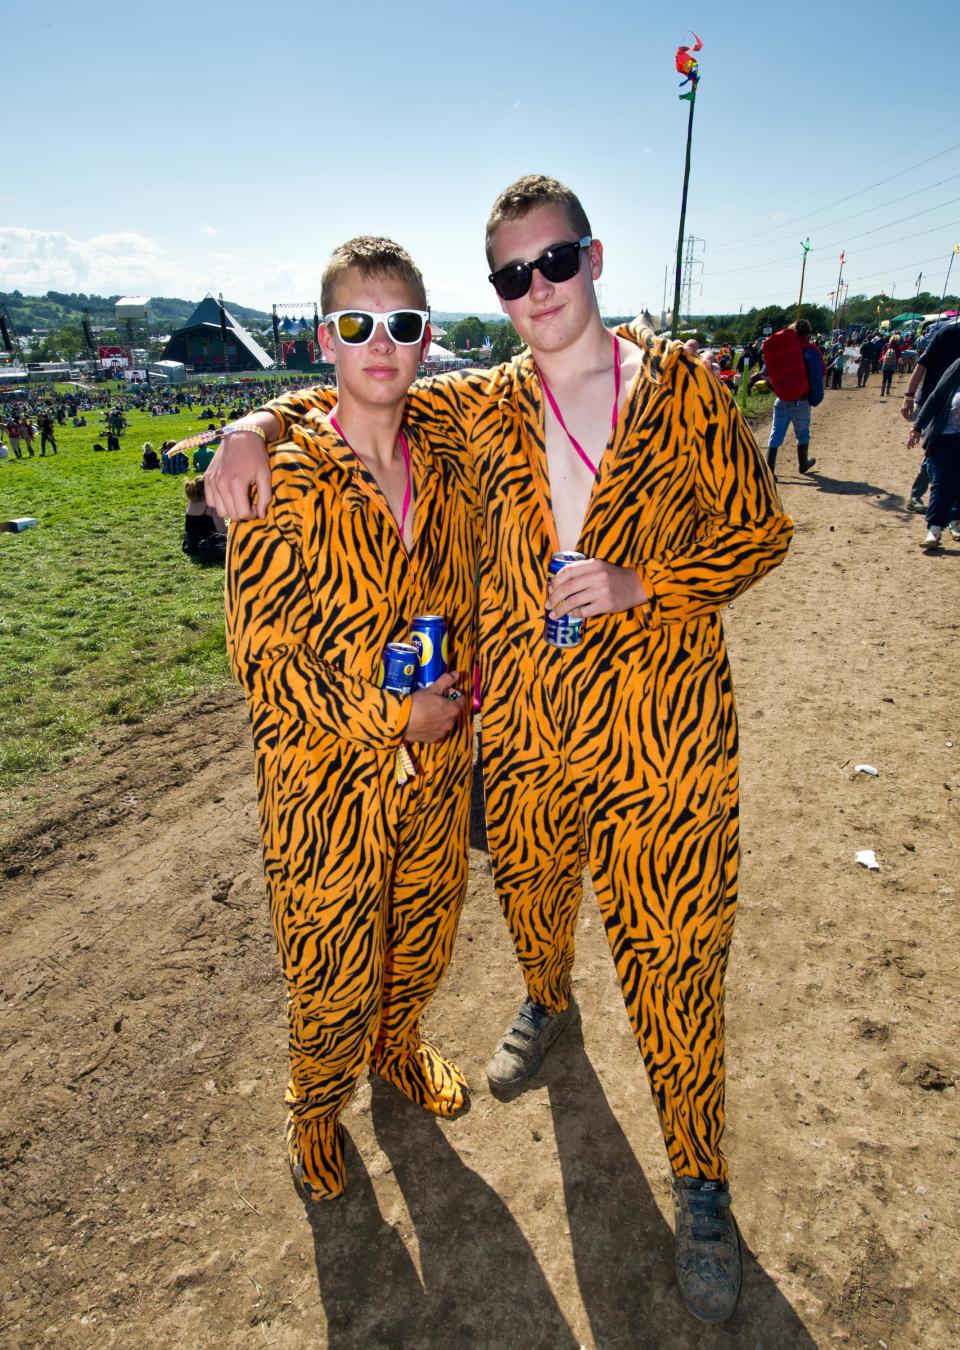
point(145, 1194)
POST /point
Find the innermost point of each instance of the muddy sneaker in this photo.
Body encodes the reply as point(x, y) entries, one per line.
point(523, 1046)
point(707, 1259)
point(932, 537)
point(954, 528)
point(917, 506)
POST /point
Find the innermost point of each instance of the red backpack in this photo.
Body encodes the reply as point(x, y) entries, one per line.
point(786, 368)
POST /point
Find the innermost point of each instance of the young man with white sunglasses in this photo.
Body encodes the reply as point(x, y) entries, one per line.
point(619, 751)
point(363, 792)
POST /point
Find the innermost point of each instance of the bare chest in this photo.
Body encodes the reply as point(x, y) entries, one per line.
point(396, 487)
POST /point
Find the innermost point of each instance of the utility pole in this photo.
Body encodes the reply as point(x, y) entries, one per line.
point(689, 263)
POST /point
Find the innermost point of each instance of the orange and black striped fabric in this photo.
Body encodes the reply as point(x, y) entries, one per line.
point(620, 754)
point(365, 877)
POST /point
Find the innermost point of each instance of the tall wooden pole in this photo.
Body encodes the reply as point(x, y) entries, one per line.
point(805, 245)
point(675, 323)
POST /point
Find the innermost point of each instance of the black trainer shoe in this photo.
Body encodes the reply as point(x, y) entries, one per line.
point(523, 1046)
point(707, 1259)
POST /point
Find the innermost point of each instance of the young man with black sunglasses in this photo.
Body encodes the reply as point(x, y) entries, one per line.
point(363, 792)
point(619, 752)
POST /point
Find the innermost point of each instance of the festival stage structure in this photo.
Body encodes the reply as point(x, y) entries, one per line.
point(212, 341)
point(295, 324)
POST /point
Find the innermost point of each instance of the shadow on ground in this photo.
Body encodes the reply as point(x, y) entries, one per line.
point(622, 1247)
point(482, 1283)
point(841, 487)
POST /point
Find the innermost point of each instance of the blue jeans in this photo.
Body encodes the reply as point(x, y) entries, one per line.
point(943, 464)
point(796, 413)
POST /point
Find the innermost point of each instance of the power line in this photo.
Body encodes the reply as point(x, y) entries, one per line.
point(781, 224)
point(776, 262)
point(863, 276)
point(828, 224)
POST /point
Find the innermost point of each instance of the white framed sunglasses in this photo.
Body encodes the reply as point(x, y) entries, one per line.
point(356, 327)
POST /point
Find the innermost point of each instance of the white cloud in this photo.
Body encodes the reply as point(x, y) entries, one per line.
point(35, 261)
point(129, 263)
point(210, 231)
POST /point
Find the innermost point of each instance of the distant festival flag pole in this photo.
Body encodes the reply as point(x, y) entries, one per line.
point(916, 298)
point(805, 245)
point(688, 66)
point(836, 306)
point(956, 250)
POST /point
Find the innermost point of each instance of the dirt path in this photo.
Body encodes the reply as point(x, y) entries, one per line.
point(145, 1192)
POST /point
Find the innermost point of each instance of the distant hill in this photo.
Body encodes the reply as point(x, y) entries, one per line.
point(55, 309)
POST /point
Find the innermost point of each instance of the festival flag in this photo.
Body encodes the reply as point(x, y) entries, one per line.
point(843, 257)
point(688, 66)
point(805, 244)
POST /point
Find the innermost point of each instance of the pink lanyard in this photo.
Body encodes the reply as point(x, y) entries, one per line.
point(405, 451)
point(613, 417)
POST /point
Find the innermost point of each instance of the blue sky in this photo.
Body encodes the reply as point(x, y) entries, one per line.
point(185, 147)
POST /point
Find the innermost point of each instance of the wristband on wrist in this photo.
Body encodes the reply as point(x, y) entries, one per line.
point(244, 426)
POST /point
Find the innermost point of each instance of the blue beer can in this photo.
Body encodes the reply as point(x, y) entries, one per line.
point(399, 667)
point(564, 631)
point(428, 633)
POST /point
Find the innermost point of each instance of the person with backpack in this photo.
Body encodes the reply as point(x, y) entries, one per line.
point(795, 370)
point(888, 366)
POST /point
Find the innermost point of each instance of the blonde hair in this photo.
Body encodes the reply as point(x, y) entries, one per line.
point(371, 255)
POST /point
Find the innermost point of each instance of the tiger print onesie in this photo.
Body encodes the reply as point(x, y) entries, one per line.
point(621, 754)
point(365, 877)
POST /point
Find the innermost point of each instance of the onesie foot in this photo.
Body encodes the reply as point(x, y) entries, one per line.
point(425, 1077)
point(315, 1151)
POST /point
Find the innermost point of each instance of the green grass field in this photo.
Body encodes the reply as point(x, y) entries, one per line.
point(101, 615)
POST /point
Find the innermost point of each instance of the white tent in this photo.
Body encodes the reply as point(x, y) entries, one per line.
point(438, 353)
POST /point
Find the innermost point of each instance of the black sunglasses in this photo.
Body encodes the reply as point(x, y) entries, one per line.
point(560, 263)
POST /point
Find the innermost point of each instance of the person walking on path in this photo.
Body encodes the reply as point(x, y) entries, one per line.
point(797, 367)
point(937, 425)
point(888, 368)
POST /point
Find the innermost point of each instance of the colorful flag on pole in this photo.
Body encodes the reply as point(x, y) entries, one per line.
point(688, 66)
point(805, 244)
point(843, 257)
